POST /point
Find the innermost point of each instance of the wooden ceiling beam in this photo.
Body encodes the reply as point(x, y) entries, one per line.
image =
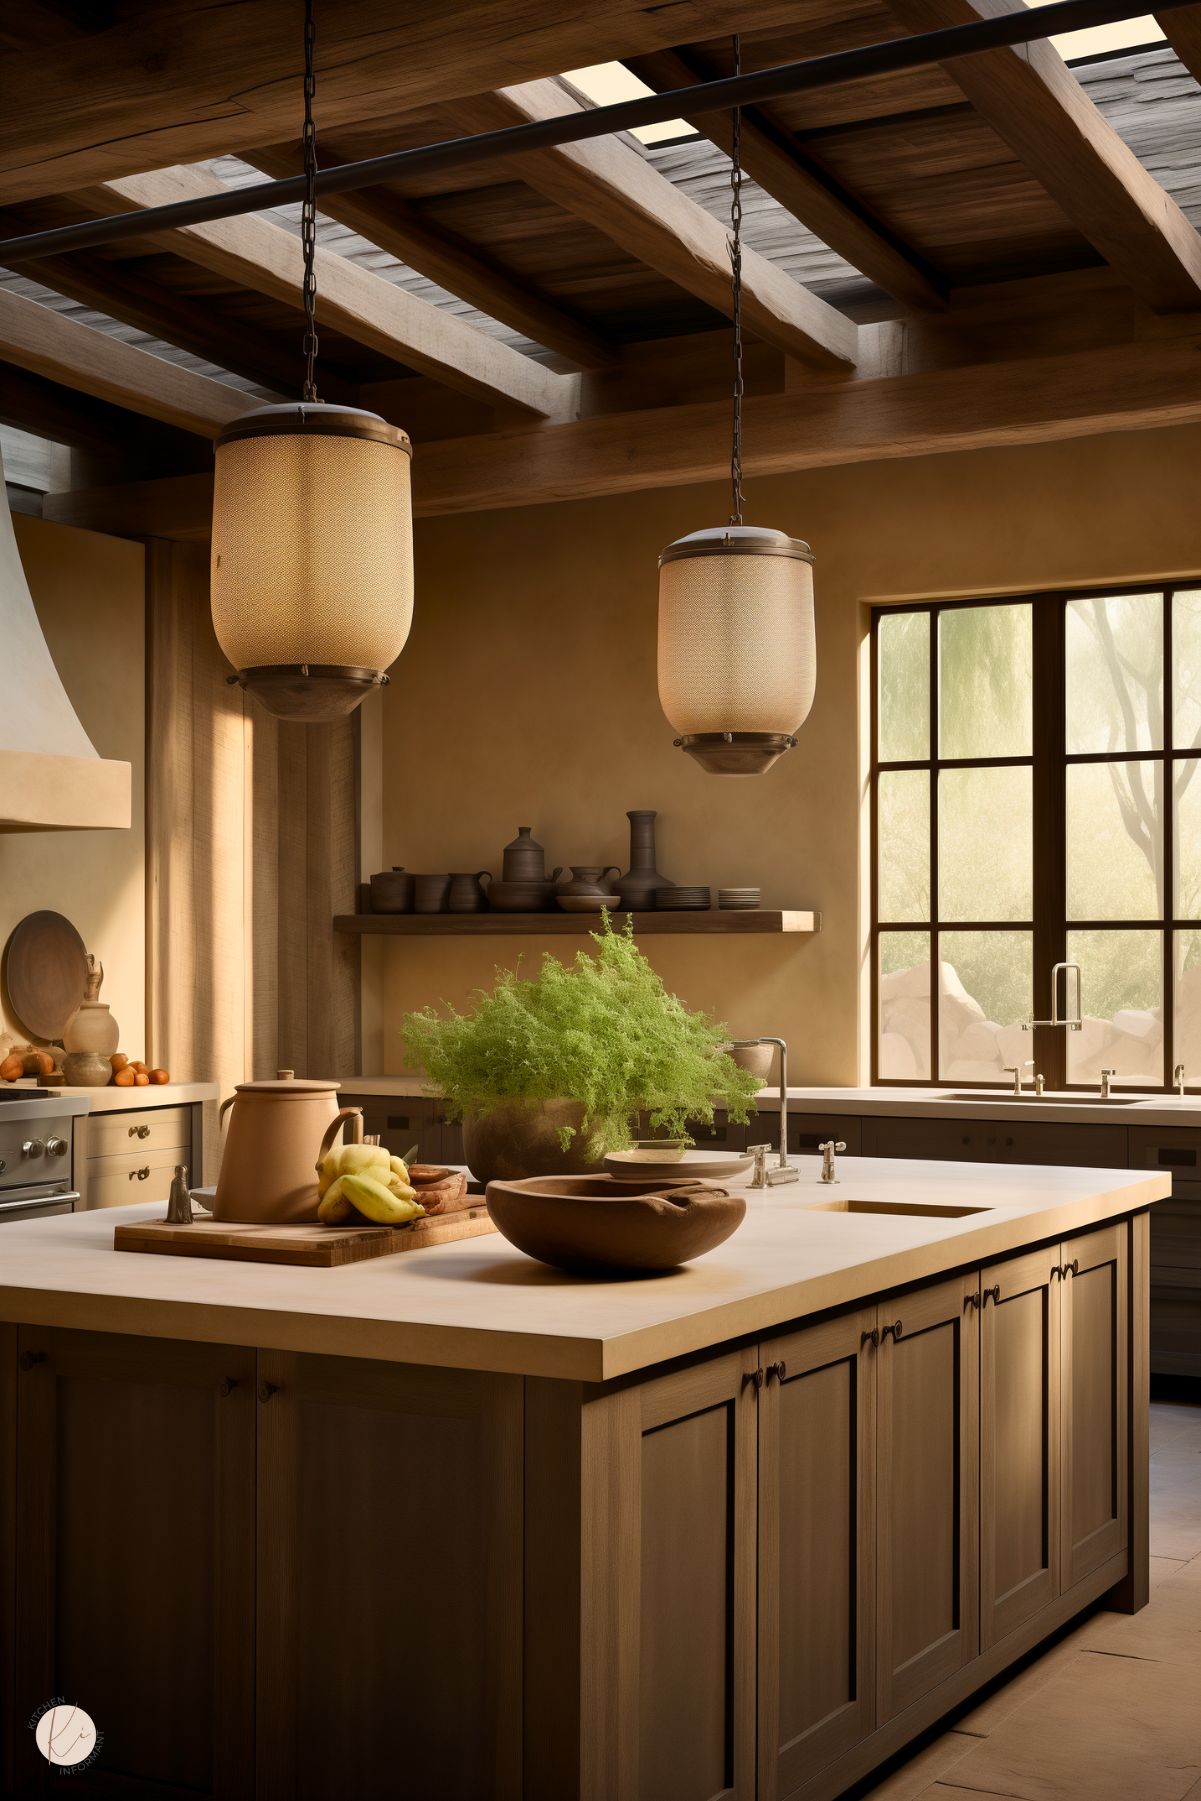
point(783, 170)
point(1034, 103)
point(175, 81)
point(385, 219)
point(47, 343)
point(1131, 387)
point(110, 288)
point(256, 253)
point(607, 182)
point(1183, 32)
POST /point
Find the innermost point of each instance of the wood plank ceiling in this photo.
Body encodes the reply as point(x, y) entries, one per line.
point(1003, 208)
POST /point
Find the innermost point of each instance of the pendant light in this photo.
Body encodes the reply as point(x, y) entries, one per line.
point(312, 557)
point(737, 655)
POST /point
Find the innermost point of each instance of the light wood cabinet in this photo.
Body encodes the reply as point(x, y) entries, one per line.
point(817, 1548)
point(389, 1580)
point(1094, 1407)
point(927, 1535)
point(1020, 1440)
point(131, 1153)
point(135, 1581)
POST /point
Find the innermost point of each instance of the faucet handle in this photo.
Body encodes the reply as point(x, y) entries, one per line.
point(760, 1153)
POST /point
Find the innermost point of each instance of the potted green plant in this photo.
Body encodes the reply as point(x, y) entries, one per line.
point(548, 1074)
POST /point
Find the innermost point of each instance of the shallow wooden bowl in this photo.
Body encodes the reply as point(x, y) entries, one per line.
point(592, 1224)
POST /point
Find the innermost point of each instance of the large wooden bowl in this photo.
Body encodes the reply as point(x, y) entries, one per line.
point(596, 1224)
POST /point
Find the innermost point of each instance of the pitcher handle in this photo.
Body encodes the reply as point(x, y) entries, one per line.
point(611, 870)
point(334, 1127)
point(222, 1109)
point(483, 875)
point(556, 873)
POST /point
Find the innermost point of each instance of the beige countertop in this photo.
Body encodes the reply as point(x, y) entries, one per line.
point(480, 1304)
point(937, 1103)
point(167, 1094)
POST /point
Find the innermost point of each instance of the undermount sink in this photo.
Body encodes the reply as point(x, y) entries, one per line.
point(1055, 1100)
point(923, 1209)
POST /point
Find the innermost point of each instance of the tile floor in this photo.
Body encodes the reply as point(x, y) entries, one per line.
point(1112, 1710)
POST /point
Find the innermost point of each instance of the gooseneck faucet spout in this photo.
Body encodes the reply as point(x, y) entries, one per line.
point(782, 1171)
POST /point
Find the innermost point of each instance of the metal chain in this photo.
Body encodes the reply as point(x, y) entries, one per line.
point(736, 294)
point(308, 210)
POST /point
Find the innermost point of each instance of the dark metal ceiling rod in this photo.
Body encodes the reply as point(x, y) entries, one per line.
point(1022, 27)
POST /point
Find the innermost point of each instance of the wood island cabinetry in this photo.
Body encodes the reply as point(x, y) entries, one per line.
point(751, 1573)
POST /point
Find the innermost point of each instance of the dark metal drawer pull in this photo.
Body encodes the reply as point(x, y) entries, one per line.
point(1072, 1268)
point(972, 1300)
point(30, 1359)
point(778, 1370)
point(870, 1338)
point(755, 1378)
point(994, 1292)
point(894, 1328)
point(226, 1386)
point(267, 1389)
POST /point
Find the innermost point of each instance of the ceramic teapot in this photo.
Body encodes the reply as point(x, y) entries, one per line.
point(278, 1134)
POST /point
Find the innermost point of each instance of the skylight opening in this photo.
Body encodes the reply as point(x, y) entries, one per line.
point(1104, 40)
point(606, 83)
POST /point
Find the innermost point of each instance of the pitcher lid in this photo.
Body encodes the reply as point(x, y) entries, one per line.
point(286, 1082)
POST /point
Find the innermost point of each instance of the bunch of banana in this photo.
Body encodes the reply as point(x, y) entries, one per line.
point(361, 1181)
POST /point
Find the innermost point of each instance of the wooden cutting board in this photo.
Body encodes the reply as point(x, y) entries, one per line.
point(313, 1247)
point(45, 972)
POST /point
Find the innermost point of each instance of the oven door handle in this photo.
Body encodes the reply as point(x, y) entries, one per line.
point(70, 1200)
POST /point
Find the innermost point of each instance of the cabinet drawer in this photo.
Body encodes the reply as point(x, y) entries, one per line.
point(151, 1129)
point(115, 1181)
point(807, 1130)
point(1167, 1147)
point(997, 1141)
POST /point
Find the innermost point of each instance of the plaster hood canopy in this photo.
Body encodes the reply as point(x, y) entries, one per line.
point(51, 778)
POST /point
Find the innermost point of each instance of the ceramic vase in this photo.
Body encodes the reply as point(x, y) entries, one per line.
point(637, 886)
point(524, 858)
point(90, 1036)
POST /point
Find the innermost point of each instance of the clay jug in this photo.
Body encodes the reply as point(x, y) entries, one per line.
point(525, 859)
point(91, 1035)
point(637, 886)
point(467, 894)
point(278, 1133)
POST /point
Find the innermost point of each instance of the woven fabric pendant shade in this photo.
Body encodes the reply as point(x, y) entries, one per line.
point(737, 657)
point(312, 554)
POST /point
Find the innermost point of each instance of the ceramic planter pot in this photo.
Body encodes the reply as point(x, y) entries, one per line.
point(517, 1140)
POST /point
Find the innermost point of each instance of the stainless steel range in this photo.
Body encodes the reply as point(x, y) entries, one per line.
point(37, 1139)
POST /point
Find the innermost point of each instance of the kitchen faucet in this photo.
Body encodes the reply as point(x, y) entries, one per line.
point(1178, 1078)
point(1015, 1070)
point(782, 1170)
point(827, 1150)
point(1073, 1022)
point(1107, 1076)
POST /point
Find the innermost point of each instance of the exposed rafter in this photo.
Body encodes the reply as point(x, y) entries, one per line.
point(783, 171)
point(1129, 387)
point(607, 182)
point(1034, 103)
point(47, 343)
point(265, 257)
point(385, 219)
point(1183, 32)
point(182, 80)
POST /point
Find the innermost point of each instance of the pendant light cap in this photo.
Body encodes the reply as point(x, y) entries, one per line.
point(309, 692)
point(737, 540)
point(736, 753)
point(307, 418)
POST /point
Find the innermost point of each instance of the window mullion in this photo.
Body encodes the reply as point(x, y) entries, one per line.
point(1050, 870)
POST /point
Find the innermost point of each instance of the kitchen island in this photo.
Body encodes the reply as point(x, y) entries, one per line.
point(458, 1525)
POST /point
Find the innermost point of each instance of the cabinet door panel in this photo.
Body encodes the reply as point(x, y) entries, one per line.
point(135, 1585)
point(1094, 1401)
point(1019, 1441)
point(817, 1431)
point(695, 1585)
point(390, 1563)
point(927, 1531)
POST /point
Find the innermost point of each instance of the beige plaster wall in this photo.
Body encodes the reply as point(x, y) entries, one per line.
point(527, 695)
point(89, 591)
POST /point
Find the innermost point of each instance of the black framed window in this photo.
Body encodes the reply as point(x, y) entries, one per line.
point(1036, 798)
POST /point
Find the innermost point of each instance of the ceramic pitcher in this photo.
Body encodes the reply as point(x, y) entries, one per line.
point(278, 1133)
point(467, 893)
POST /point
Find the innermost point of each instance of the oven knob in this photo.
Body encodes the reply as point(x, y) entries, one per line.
point(33, 1147)
point(57, 1147)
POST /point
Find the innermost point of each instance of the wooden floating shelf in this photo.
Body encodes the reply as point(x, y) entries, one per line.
point(754, 921)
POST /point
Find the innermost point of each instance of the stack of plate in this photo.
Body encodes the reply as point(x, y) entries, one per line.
point(737, 899)
point(682, 900)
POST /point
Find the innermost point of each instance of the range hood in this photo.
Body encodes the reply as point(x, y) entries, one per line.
point(51, 778)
